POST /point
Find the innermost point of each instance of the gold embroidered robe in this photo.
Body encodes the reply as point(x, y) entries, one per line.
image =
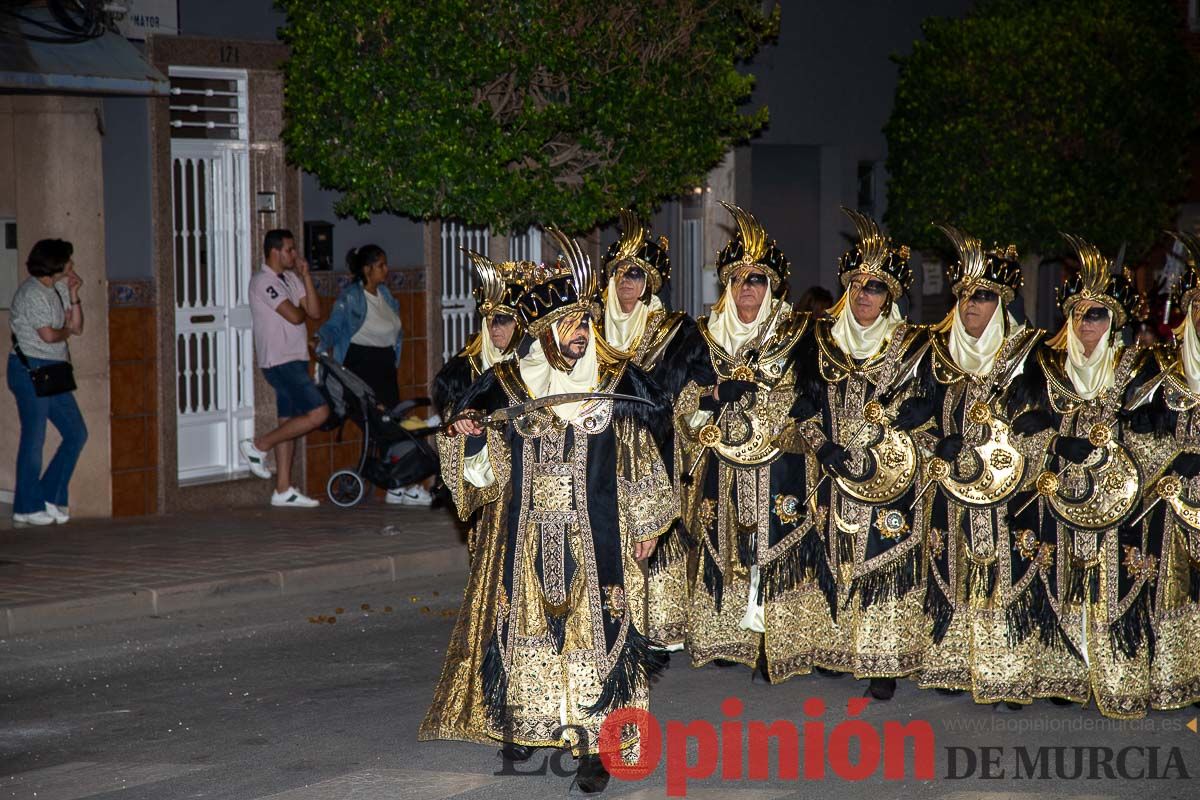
point(759, 584)
point(563, 649)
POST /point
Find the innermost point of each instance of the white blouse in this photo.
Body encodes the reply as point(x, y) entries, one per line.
point(381, 326)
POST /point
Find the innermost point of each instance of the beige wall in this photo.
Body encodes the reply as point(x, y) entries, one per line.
point(52, 181)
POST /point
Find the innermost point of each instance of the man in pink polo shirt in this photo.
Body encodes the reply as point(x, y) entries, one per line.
point(282, 296)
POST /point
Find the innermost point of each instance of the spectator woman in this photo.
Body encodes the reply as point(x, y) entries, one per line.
point(816, 300)
point(45, 312)
point(364, 335)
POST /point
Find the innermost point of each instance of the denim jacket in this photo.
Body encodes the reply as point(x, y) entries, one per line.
point(349, 311)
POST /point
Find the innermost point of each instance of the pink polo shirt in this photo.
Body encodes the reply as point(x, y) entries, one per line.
point(277, 341)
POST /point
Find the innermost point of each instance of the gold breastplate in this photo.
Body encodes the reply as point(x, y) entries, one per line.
point(888, 457)
point(891, 462)
point(996, 468)
point(748, 429)
point(991, 469)
point(1102, 492)
point(1099, 494)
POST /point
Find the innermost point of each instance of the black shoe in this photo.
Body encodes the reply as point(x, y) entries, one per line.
point(881, 688)
point(830, 673)
point(950, 692)
point(1061, 701)
point(590, 776)
point(1006, 707)
point(516, 753)
point(724, 662)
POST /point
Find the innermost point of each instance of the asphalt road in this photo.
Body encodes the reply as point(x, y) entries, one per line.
point(258, 701)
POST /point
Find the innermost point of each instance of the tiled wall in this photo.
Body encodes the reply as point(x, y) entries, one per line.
point(133, 388)
point(324, 453)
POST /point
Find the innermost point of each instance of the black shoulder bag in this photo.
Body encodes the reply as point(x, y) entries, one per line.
point(51, 379)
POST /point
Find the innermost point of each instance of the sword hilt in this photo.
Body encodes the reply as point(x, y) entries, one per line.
point(478, 417)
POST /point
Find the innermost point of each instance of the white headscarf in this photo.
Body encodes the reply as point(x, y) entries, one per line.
point(727, 328)
point(1092, 374)
point(863, 342)
point(1189, 353)
point(543, 379)
point(977, 355)
point(624, 330)
point(489, 354)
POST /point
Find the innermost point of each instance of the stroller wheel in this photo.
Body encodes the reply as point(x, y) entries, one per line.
point(345, 488)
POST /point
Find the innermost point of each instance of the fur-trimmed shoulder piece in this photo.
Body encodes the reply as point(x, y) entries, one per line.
point(1148, 383)
point(452, 382)
point(485, 395)
point(1029, 390)
point(808, 372)
point(657, 417)
point(686, 359)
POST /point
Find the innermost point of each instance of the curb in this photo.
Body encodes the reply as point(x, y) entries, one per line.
point(146, 601)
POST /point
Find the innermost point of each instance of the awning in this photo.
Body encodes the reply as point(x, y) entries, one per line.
point(107, 64)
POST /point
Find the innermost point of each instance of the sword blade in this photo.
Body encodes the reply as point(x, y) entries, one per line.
point(521, 409)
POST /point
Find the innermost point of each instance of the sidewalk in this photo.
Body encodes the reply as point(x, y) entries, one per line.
point(92, 571)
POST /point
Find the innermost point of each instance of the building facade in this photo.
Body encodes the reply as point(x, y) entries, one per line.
point(167, 196)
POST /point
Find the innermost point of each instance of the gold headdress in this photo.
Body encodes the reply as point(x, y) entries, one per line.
point(749, 247)
point(1096, 282)
point(999, 270)
point(1188, 285)
point(499, 285)
point(875, 257)
point(555, 290)
point(636, 247)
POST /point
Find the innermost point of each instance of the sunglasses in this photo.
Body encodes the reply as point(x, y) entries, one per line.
point(872, 287)
point(503, 319)
point(982, 296)
point(753, 279)
point(1094, 314)
point(633, 274)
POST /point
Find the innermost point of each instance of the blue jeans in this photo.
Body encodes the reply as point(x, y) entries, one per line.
point(35, 489)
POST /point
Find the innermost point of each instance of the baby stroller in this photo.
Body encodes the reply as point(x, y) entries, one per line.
point(392, 455)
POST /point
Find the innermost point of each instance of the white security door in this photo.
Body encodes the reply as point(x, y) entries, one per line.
point(689, 269)
point(210, 193)
point(526, 246)
point(458, 278)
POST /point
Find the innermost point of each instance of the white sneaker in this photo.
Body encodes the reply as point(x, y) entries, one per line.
point(414, 495)
point(292, 499)
point(36, 518)
point(59, 513)
point(256, 458)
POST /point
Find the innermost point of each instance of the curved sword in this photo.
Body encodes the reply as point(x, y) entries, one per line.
point(502, 415)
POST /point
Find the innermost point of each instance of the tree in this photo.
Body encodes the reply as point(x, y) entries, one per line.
point(1031, 117)
point(506, 112)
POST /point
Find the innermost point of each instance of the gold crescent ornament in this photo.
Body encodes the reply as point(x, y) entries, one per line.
point(1108, 493)
point(996, 471)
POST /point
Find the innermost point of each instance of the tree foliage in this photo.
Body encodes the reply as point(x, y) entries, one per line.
point(1031, 117)
point(506, 112)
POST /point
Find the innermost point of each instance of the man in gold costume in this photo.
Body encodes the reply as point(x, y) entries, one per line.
point(762, 575)
point(862, 396)
point(460, 713)
point(668, 346)
point(975, 579)
point(1174, 503)
point(581, 481)
point(1087, 405)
